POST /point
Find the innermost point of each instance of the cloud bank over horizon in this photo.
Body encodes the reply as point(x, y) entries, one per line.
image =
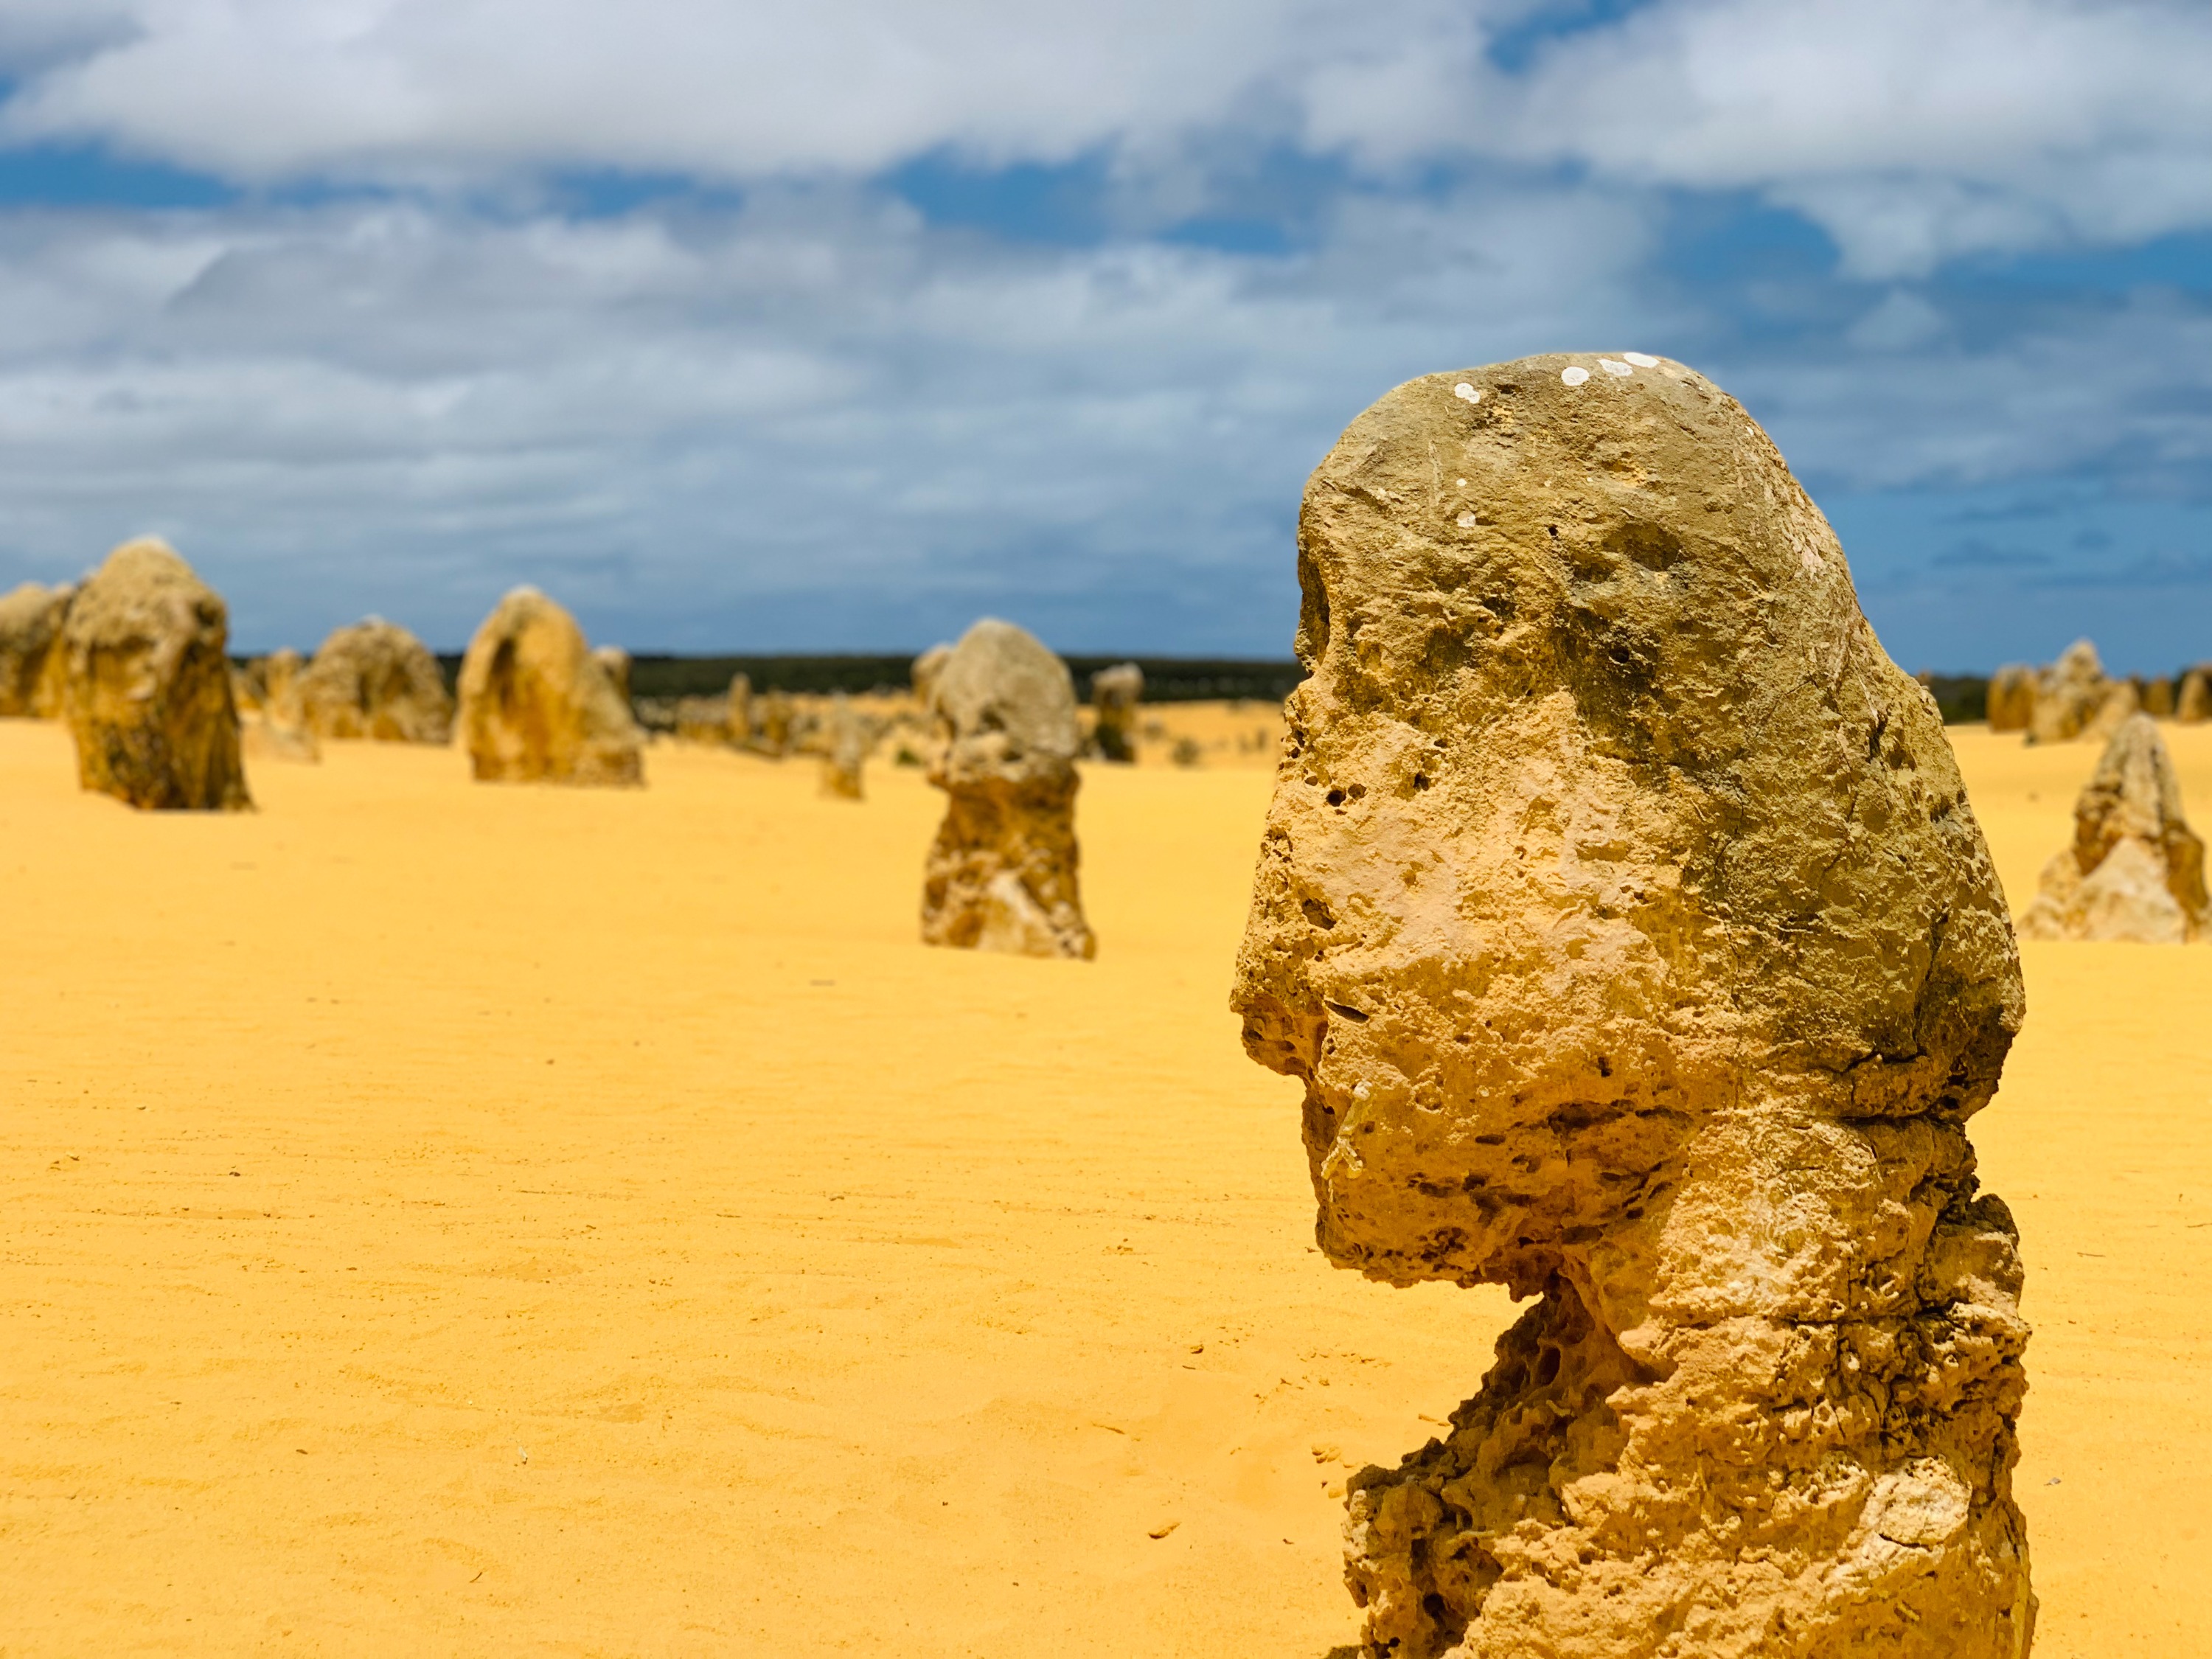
point(745, 329)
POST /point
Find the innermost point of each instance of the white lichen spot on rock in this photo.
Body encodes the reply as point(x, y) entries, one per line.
point(1574, 376)
point(1466, 393)
point(1466, 521)
point(1641, 359)
point(1615, 368)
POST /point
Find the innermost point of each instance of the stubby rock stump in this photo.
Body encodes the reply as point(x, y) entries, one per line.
point(146, 685)
point(1620, 910)
point(1115, 693)
point(537, 707)
point(845, 752)
point(32, 660)
point(1001, 874)
point(2136, 870)
point(376, 680)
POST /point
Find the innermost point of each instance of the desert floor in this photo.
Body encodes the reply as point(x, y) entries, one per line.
point(442, 1219)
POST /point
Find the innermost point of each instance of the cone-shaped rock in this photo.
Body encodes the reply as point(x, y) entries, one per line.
point(535, 705)
point(2012, 698)
point(1001, 874)
point(2136, 870)
point(146, 684)
point(32, 660)
point(2068, 695)
point(374, 679)
point(1620, 908)
point(617, 663)
point(1115, 693)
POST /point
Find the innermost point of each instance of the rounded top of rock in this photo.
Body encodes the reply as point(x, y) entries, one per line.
point(1002, 684)
point(144, 589)
point(1600, 787)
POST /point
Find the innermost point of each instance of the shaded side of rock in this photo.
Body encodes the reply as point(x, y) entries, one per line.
point(1620, 910)
point(376, 680)
point(2193, 702)
point(2158, 698)
point(1001, 873)
point(33, 663)
point(1115, 693)
point(146, 685)
point(535, 705)
point(2135, 870)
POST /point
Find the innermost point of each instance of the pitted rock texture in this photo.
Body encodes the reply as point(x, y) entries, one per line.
point(2012, 698)
point(1115, 693)
point(536, 706)
point(32, 660)
point(146, 685)
point(374, 679)
point(2070, 695)
point(2135, 870)
point(1001, 874)
point(1620, 910)
point(845, 751)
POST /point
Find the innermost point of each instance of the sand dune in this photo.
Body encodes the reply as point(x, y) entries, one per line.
point(845, 1296)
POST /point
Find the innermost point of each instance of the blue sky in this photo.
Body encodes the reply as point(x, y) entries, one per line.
point(740, 329)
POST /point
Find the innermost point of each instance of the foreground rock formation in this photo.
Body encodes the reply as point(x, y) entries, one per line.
point(2135, 870)
point(1001, 874)
point(1115, 693)
point(32, 659)
point(2070, 695)
point(537, 707)
point(374, 679)
point(2012, 698)
point(146, 685)
point(1621, 911)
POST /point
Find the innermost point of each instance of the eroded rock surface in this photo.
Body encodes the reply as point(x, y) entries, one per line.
point(374, 679)
point(1115, 693)
point(537, 707)
point(2070, 695)
point(1001, 874)
point(2135, 870)
point(146, 685)
point(2012, 698)
point(32, 660)
point(1621, 911)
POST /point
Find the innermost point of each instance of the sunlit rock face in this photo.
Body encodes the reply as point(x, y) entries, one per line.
point(1620, 910)
point(536, 706)
point(1001, 873)
point(2135, 870)
point(146, 684)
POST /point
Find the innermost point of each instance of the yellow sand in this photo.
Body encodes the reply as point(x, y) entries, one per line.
point(846, 1297)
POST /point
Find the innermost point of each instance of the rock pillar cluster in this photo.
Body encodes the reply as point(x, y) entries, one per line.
point(32, 660)
point(1620, 910)
point(2135, 869)
point(146, 684)
point(374, 679)
point(1115, 693)
point(1001, 874)
point(537, 707)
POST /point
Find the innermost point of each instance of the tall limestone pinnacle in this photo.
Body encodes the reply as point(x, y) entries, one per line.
point(1621, 911)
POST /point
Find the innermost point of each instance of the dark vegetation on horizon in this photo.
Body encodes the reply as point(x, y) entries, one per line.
point(1167, 679)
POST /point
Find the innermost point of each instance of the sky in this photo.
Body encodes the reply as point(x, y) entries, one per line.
point(748, 327)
